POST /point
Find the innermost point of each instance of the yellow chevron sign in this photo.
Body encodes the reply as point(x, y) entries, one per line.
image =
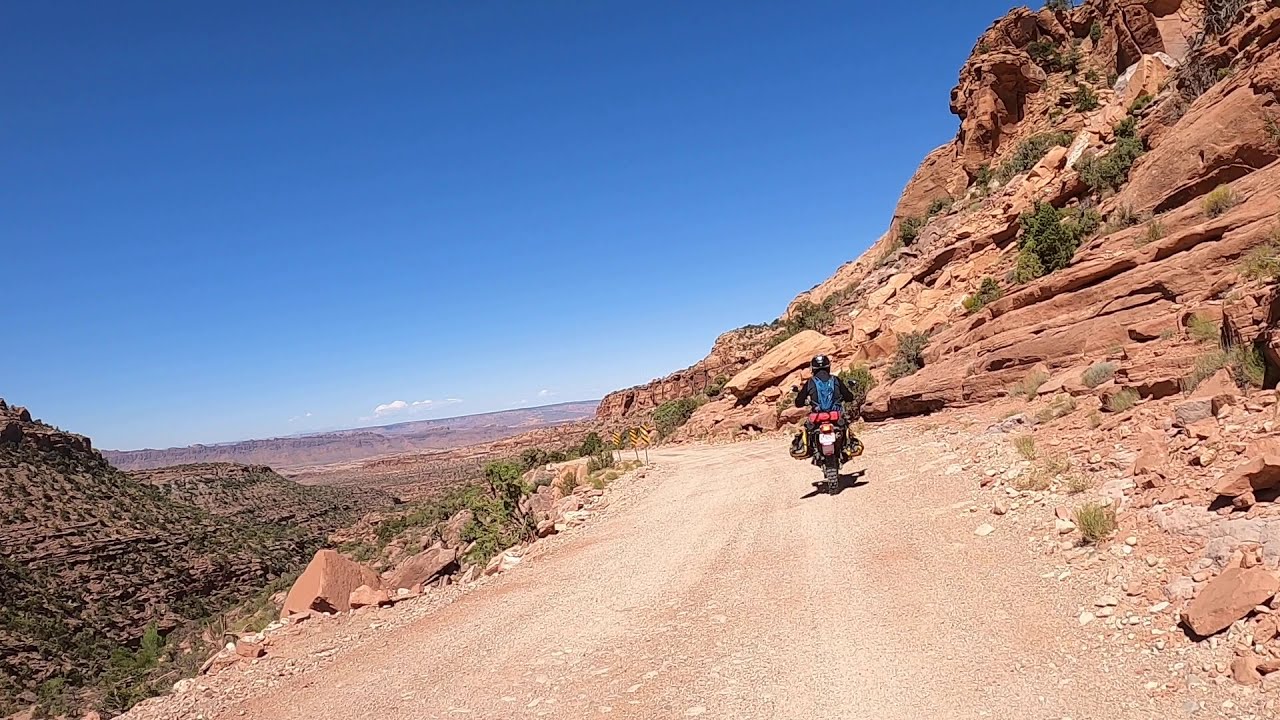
point(617, 439)
point(641, 437)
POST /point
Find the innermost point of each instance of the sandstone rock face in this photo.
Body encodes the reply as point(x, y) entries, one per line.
point(423, 567)
point(327, 583)
point(940, 176)
point(1127, 290)
point(1229, 597)
point(794, 353)
point(1224, 135)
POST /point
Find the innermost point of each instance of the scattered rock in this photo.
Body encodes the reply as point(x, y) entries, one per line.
point(984, 530)
point(1260, 473)
point(365, 596)
point(1244, 670)
point(246, 649)
point(1230, 597)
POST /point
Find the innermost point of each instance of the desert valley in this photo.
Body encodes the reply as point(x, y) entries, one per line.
point(1066, 350)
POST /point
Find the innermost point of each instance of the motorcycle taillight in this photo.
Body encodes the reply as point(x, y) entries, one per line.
point(826, 428)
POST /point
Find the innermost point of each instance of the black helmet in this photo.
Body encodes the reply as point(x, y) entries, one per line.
point(820, 362)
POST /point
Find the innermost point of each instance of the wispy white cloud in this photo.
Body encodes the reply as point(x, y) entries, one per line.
point(546, 393)
point(400, 407)
point(296, 418)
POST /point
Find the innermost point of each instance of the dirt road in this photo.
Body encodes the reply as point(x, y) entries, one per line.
point(730, 590)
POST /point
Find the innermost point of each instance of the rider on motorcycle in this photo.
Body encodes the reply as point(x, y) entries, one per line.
point(825, 392)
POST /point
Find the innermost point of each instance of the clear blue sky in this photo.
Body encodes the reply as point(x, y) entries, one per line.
point(231, 220)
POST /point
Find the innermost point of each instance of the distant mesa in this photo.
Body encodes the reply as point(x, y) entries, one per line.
point(288, 453)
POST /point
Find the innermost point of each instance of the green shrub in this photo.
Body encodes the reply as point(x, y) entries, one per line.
point(1031, 151)
point(1098, 374)
point(1058, 5)
point(909, 229)
point(1204, 330)
point(983, 177)
point(672, 414)
point(1111, 170)
point(1248, 368)
point(1263, 262)
point(1220, 200)
point(602, 460)
point(591, 445)
point(1273, 129)
point(1095, 32)
point(1085, 99)
point(533, 458)
point(890, 253)
point(1140, 103)
point(1122, 401)
point(806, 315)
point(1048, 55)
point(1096, 522)
point(988, 292)
point(1050, 238)
point(910, 355)
point(940, 205)
point(497, 521)
point(860, 382)
point(1205, 366)
point(716, 387)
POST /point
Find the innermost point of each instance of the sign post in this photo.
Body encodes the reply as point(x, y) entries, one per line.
point(618, 441)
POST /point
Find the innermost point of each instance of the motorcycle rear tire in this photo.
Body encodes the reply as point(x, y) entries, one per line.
point(831, 474)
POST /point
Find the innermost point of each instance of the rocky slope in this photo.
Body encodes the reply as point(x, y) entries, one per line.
point(1105, 132)
point(91, 558)
point(362, 443)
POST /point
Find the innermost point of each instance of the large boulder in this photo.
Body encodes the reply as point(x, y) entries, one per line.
point(327, 583)
point(1230, 597)
point(795, 352)
point(1144, 77)
point(423, 567)
point(1260, 473)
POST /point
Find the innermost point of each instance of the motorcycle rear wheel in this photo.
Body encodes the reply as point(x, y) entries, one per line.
point(831, 474)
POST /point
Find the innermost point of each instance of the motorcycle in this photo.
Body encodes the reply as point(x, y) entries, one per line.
point(829, 449)
point(823, 442)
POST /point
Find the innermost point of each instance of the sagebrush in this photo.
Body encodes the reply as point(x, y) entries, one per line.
point(1098, 373)
point(1095, 522)
point(1219, 200)
point(1029, 387)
